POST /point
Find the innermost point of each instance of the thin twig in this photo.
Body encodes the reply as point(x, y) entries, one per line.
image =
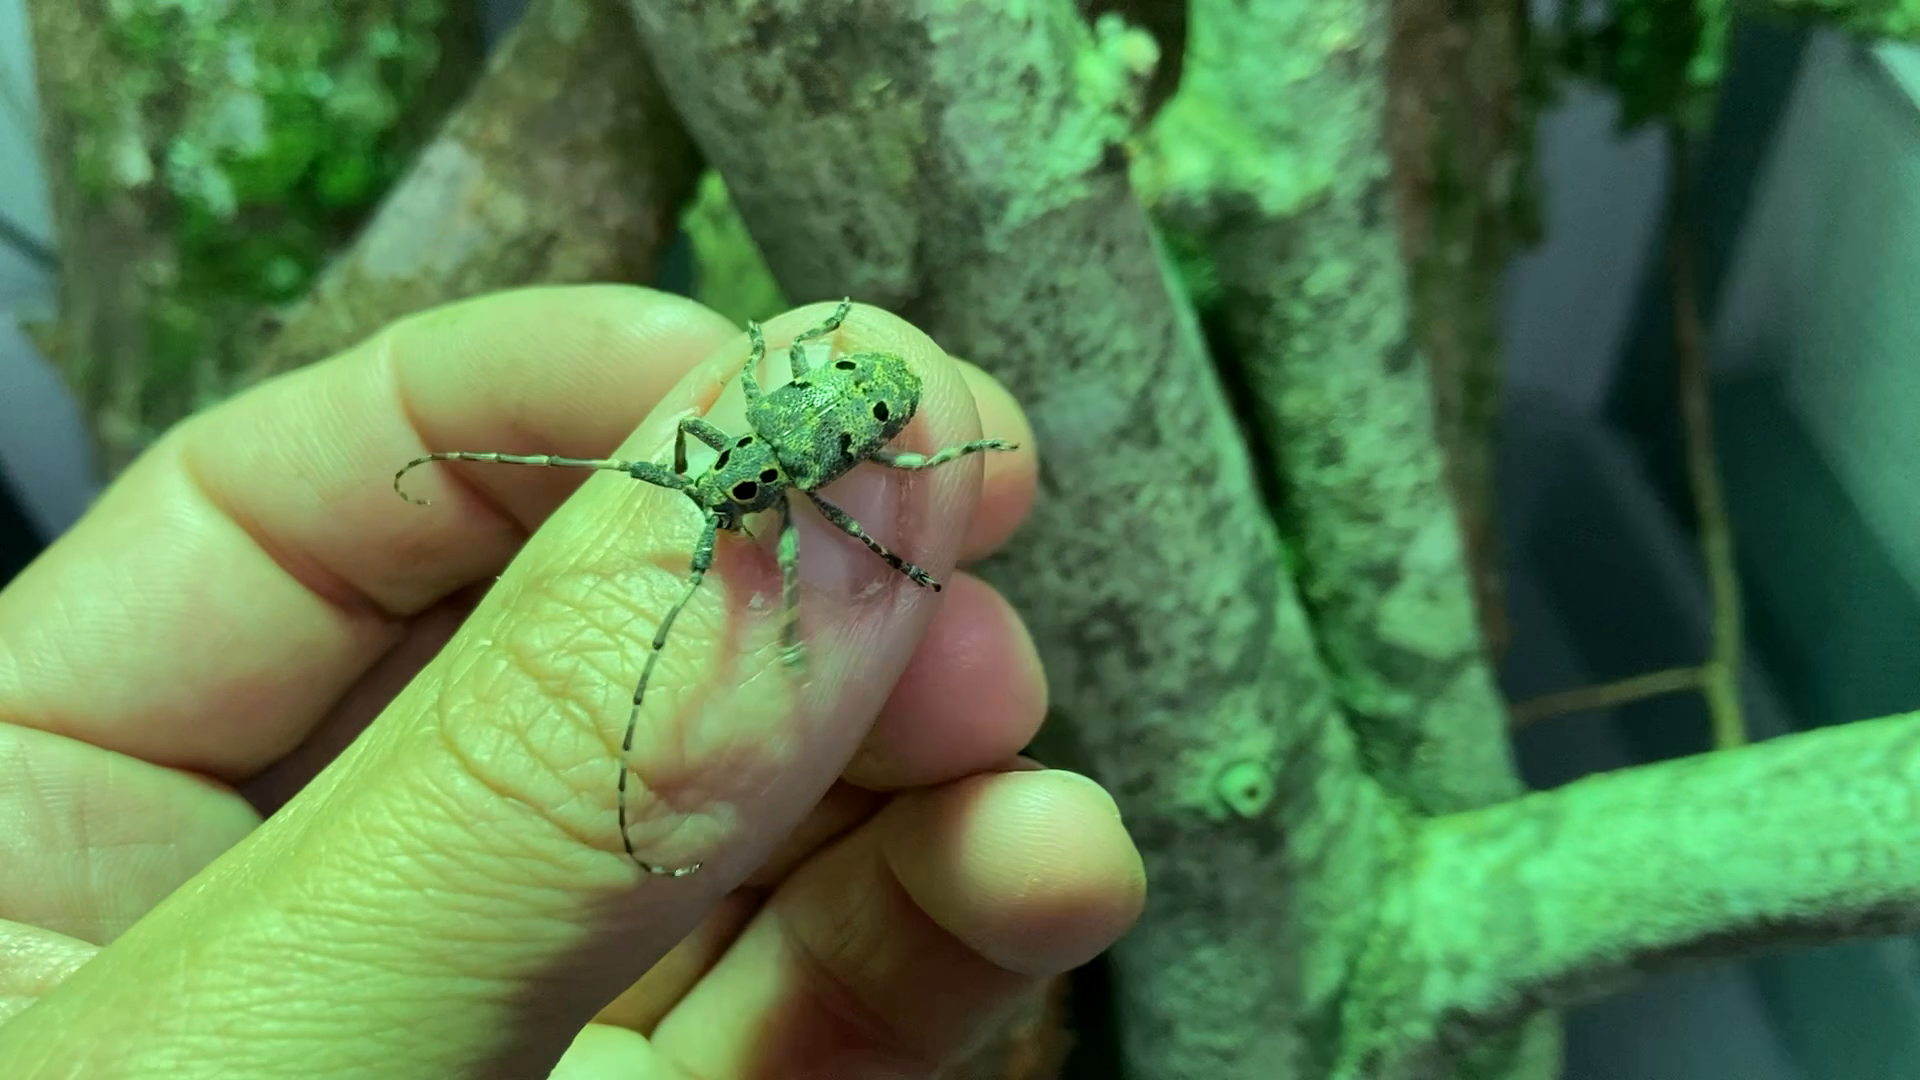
point(1718, 679)
point(1720, 675)
point(1607, 695)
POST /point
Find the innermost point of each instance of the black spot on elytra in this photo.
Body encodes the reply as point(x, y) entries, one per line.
point(768, 476)
point(881, 412)
point(1113, 158)
point(845, 365)
point(721, 461)
point(745, 489)
point(846, 444)
point(745, 440)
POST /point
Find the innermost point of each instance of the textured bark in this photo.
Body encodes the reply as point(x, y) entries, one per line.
point(563, 165)
point(1569, 895)
point(1273, 159)
point(963, 166)
point(1460, 122)
point(204, 160)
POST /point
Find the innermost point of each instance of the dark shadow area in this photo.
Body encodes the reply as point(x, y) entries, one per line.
point(20, 541)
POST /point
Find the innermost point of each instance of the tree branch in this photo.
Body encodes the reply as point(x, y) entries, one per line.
point(1273, 155)
point(1461, 102)
point(192, 191)
point(1607, 695)
point(963, 164)
point(564, 164)
point(1568, 895)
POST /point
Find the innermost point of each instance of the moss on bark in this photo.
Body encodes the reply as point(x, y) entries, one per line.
point(729, 274)
point(205, 160)
point(1274, 159)
point(562, 165)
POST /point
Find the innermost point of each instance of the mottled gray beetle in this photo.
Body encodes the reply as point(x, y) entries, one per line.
point(801, 437)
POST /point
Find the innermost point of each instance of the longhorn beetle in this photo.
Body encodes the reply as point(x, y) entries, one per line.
point(801, 437)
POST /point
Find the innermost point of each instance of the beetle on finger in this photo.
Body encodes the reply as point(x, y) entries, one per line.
point(800, 437)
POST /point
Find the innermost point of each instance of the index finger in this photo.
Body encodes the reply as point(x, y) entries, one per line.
point(240, 575)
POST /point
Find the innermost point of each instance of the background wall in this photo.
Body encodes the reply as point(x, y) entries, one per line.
point(1812, 228)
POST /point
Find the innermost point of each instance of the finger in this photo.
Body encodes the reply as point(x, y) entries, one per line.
point(897, 950)
point(90, 840)
point(455, 880)
point(639, 1007)
point(972, 696)
point(246, 570)
point(34, 960)
point(1011, 480)
point(270, 788)
point(606, 1052)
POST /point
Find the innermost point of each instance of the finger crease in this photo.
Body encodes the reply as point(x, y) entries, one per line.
point(309, 571)
point(471, 491)
point(840, 999)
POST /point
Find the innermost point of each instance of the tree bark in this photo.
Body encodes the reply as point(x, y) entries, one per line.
point(964, 166)
point(204, 160)
point(1273, 160)
point(1462, 86)
point(1569, 895)
point(564, 164)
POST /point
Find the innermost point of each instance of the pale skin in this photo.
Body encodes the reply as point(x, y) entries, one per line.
point(447, 895)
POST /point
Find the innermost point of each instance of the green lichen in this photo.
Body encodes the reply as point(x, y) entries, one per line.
point(1664, 60)
point(729, 274)
point(255, 137)
point(1193, 262)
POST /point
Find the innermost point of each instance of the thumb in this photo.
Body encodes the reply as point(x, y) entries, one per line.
point(451, 897)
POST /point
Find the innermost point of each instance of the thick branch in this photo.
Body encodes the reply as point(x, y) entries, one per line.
point(962, 164)
point(1274, 154)
point(563, 165)
point(1566, 896)
point(1460, 122)
point(204, 160)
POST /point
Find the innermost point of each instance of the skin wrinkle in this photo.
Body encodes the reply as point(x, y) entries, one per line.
point(474, 493)
point(832, 993)
point(328, 585)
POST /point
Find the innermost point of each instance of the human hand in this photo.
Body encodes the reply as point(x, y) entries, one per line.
point(882, 878)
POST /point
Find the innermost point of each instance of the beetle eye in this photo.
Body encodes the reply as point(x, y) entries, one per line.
point(745, 490)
